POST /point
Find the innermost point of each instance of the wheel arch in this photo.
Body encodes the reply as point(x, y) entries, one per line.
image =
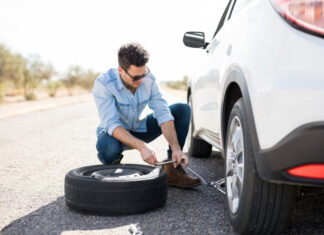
point(235, 87)
point(232, 94)
point(188, 93)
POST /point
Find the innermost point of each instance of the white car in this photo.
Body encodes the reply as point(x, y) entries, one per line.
point(258, 96)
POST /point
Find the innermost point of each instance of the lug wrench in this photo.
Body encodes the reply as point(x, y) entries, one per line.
point(219, 184)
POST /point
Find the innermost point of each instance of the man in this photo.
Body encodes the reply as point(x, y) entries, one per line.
point(121, 95)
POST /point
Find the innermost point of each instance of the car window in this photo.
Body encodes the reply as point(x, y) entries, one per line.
point(238, 6)
point(222, 20)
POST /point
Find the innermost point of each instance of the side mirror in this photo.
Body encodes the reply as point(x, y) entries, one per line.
point(194, 39)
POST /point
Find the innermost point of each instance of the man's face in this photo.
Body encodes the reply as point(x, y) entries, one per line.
point(133, 71)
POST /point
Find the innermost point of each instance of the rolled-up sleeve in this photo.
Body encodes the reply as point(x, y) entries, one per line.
point(159, 105)
point(106, 106)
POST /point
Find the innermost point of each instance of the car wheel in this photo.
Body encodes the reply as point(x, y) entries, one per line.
point(254, 206)
point(196, 147)
point(116, 189)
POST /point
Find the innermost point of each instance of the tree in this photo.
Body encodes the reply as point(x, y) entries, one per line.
point(52, 87)
point(183, 85)
point(88, 78)
point(12, 68)
point(72, 78)
point(35, 72)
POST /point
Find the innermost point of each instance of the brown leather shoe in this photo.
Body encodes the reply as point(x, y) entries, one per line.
point(178, 177)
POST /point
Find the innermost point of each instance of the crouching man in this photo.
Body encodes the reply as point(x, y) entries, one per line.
point(121, 95)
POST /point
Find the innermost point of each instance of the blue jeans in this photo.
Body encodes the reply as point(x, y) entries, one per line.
point(110, 149)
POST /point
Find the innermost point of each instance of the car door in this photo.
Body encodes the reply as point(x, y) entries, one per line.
point(207, 84)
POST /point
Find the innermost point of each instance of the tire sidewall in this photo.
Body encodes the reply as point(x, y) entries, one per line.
point(240, 219)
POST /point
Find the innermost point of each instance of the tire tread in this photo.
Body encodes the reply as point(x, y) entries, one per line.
point(86, 194)
point(199, 148)
point(267, 205)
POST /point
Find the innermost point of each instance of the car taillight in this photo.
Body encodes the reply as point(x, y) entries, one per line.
point(307, 15)
point(314, 171)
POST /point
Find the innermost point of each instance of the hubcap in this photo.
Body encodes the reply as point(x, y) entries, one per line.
point(234, 164)
point(116, 174)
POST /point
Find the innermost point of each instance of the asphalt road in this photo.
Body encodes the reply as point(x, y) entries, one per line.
point(38, 149)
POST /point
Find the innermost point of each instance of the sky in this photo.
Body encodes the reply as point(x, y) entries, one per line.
point(89, 32)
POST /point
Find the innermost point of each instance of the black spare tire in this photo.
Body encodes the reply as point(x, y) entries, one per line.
point(116, 189)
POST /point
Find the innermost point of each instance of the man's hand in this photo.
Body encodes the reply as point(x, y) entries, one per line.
point(148, 155)
point(180, 157)
point(170, 134)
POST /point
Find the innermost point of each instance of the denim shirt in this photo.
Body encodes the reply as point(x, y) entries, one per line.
point(117, 106)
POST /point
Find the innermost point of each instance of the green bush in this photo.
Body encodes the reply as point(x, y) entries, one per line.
point(30, 96)
point(180, 85)
point(87, 79)
point(2, 90)
point(52, 87)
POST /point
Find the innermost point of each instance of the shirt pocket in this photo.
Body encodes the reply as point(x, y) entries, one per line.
point(124, 111)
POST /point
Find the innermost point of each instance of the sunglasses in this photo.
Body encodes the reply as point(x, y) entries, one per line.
point(138, 77)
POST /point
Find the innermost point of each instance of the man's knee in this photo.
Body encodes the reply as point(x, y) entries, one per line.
point(180, 111)
point(186, 109)
point(109, 150)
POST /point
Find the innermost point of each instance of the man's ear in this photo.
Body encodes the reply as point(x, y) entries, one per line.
point(119, 69)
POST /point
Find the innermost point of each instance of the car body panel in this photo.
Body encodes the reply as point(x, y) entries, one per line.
point(280, 73)
point(283, 79)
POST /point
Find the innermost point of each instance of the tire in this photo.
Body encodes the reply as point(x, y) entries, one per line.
point(116, 189)
point(254, 206)
point(197, 148)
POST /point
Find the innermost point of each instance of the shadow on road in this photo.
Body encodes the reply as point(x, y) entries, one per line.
point(307, 215)
point(196, 211)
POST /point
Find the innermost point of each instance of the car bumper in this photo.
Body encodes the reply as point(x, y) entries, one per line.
point(301, 147)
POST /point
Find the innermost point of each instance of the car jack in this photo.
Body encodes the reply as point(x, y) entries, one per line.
point(219, 184)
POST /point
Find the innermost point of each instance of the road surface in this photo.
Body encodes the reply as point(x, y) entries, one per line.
point(39, 148)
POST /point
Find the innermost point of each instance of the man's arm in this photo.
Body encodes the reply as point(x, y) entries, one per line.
point(170, 134)
point(147, 153)
point(158, 104)
point(165, 120)
point(105, 103)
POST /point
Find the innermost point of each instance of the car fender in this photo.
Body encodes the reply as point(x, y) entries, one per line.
point(234, 74)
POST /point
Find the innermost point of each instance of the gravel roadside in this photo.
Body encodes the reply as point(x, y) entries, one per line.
point(18, 108)
point(23, 107)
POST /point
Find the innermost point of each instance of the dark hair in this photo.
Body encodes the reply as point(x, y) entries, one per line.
point(132, 54)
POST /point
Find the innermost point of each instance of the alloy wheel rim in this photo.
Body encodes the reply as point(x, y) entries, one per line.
point(234, 164)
